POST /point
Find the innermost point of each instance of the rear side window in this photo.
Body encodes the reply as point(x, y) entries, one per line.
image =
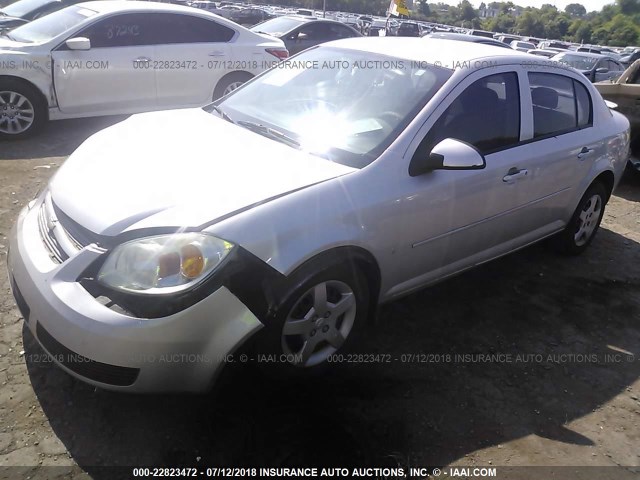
point(560, 104)
point(583, 103)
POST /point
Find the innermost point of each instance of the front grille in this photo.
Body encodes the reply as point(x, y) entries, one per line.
point(51, 244)
point(85, 367)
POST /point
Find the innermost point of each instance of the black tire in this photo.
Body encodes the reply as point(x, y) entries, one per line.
point(580, 232)
point(32, 97)
point(228, 80)
point(280, 349)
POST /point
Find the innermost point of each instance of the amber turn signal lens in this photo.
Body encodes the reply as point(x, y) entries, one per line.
point(192, 261)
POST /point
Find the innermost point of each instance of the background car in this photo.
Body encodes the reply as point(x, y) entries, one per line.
point(625, 93)
point(463, 37)
point(542, 53)
point(522, 46)
point(299, 33)
point(250, 16)
point(409, 29)
point(117, 57)
point(628, 59)
point(24, 11)
point(594, 66)
point(379, 28)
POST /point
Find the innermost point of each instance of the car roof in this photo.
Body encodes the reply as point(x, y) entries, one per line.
point(584, 54)
point(443, 52)
point(305, 19)
point(107, 6)
point(468, 38)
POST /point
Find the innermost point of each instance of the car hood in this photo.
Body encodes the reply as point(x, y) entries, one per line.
point(5, 20)
point(178, 168)
point(7, 46)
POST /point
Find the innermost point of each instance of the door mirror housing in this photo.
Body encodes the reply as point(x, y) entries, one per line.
point(78, 43)
point(449, 154)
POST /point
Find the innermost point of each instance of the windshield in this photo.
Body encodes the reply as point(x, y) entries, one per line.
point(343, 105)
point(45, 28)
point(576, 61)
point(23, 7)
point(277, 26)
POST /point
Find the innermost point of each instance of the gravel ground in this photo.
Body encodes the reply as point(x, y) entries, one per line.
point(560, 390)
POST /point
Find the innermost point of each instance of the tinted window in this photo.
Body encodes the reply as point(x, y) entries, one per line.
point(121, 31)
point(556, 105)
point(186, 29)
point(486, 115)
point(137, 29)
point(313, 31)
point(339, 31)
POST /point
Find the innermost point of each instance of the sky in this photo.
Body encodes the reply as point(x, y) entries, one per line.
point(590, 5)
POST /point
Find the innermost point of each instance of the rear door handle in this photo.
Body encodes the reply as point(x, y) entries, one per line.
point(585, 152)
point(514, 174)
point(217, 53)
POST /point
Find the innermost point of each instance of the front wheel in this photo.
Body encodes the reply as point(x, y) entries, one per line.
point(22, 111)
point(584, 223)
point(321, 317)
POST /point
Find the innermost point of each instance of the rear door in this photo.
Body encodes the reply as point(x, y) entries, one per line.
point(192, 54)
point(558, 123)
point(113, 76)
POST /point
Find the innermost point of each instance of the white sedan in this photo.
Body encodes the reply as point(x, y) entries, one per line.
point(119, 57)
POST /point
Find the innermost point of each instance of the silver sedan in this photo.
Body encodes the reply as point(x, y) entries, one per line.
point(278, 218)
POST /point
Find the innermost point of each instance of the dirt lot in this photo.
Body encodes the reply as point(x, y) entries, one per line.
point(563, 392)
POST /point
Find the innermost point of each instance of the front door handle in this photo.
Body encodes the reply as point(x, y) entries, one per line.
point(216, 54)
point(514, 174)
point(585, 152)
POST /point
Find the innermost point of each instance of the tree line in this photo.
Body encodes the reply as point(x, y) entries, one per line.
point(616, 24)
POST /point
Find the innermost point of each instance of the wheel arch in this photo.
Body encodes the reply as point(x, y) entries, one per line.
point(352, 256)
point(236, 73)
point(607, 179)
point(24, 81)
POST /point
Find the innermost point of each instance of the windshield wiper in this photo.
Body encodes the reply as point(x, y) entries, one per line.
point(270, 133)
point(222, 113)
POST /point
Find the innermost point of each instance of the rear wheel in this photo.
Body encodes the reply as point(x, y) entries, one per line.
point(22, 110)
point(584, 223)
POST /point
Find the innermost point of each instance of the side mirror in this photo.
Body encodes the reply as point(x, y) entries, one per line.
point(449, 154)
point(602, 70)
point(78, 43)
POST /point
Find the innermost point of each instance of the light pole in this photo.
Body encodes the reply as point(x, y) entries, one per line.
point(324, 8)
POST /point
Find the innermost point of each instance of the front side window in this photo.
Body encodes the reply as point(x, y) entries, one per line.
point(133, 29)
point(486, 115)
point(560, 104)
point(136, 29)
point(50, 26)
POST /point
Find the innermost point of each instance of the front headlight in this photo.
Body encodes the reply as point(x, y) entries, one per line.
point(163, 264)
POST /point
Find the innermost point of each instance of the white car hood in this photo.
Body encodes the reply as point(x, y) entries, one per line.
point(178, 168)
point(7, 45)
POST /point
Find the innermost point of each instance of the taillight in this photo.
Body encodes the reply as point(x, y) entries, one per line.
point(279, 53)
